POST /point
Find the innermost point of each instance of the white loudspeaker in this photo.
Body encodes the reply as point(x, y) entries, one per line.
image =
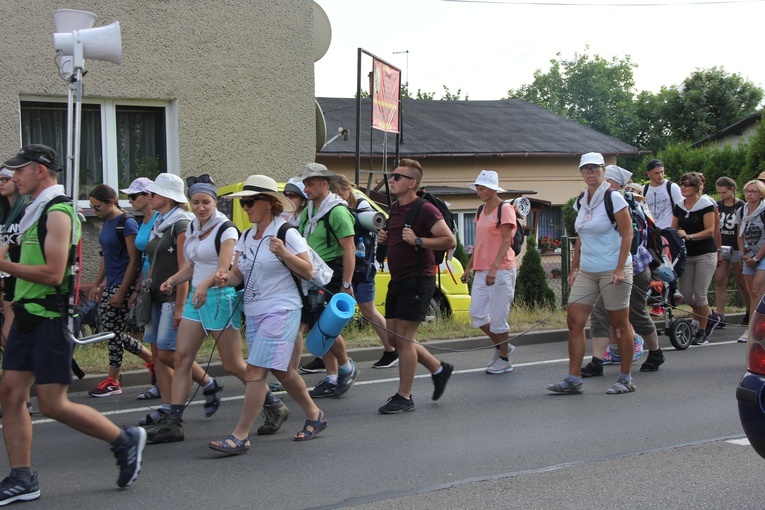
point(371, 220)
point(69, 20)
point(100, 43)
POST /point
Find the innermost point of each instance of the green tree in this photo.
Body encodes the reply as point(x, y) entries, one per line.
point(405, 94)
point(531, 287)
point(591, 90)
point(448, 96)
point(755, 158)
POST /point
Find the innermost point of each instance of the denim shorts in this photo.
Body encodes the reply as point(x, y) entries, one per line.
point(219, 312)
point(160, 330)
point(364, 292)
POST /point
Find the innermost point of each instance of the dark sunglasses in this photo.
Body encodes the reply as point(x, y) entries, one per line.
point(686, 184)
point(204, 179)
point(289, 194)
point(134, 196)
point(249, 202)
point(398, 177)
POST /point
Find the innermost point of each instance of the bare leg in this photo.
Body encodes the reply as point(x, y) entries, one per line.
point(375, 318)
point(254, 396)
point(295, 386)
point(620, 325)
point(576, 319)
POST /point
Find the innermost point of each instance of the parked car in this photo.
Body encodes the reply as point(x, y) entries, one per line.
point(452, 297)
point(751, 390)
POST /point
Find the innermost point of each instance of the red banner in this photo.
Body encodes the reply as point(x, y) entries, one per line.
point(385, 94)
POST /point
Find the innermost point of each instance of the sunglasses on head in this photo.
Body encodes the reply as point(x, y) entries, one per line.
point(398, 177)
point(249, 202)
point(204, 179)
point(134, 196)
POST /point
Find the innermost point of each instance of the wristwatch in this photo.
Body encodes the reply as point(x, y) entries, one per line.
point(418, 242)
point(690, 237)
point(346, 285)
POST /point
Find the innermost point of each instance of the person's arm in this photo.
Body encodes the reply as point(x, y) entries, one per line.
point(441, 237)
point(349, 261)
point(230, 277)
point(182, 289)
point(624, 225)
point(57, 245)
point(118, 298)
point(97, 290)
point(709, 228)
point(298, 263)
point(575, 261)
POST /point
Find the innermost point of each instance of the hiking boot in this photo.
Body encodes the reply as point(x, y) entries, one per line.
point(440, 379)
point(389, 359)
point(106, 388)
point(130, 456)
point(654, 360)
point(169, 429)
point(13, 488)
point(593, 368)
point(397, 405)
point(346, 380)
point(713, 322)
point(315, 366)
point(323, 389)
point(274, 414)
point(499, 366)
point(152, 418)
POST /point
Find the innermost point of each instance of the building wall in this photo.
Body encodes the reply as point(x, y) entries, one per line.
point(735, 140)
point(241, 73)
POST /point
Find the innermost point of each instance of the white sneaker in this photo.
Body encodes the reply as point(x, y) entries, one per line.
point(743, 338)
point(500, 366)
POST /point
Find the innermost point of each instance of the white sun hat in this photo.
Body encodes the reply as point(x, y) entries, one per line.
point(487, 179)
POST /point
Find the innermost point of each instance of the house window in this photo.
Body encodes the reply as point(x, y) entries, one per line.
point(120, 141)
point(466, 229)
point(551, 222)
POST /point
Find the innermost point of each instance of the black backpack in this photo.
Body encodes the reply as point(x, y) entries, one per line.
point(520, 235)
point(669, 192)
point(424, 196)
point(222, 228)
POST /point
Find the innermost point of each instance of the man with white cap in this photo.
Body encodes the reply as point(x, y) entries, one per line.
point(327, 225)
point(660, 194)
point(493, 261)
point(38, 351)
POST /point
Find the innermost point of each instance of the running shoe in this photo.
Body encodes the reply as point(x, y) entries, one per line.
point(638, 347)
point(440, 379)
point(315, 366)
point(397, 405)
point(499, 366)
point(130, 456)
point(13, 488)
point(744, 338)
point(346, 380)
point(323, 389)
point(389, 359)
point(106, 388)
point(608, 358)
point(700, 338)
point(713, 321)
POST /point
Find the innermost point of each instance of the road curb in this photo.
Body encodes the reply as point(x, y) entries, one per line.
point(135, 379)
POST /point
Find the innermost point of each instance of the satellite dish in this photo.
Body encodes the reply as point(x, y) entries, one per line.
point(321, 128)
point(322, 32)
point(523, 204)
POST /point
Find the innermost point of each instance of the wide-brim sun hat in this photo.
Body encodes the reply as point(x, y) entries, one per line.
point(140, 185)
point(262, 185)
point(487, 179)
point(592, 158)
point(296, 187)
point(316, 170)
point(169, 186)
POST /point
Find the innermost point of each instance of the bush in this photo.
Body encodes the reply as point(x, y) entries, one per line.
point(531, 288)
point(569, 217)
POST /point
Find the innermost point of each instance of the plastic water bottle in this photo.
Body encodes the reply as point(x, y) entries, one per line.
point(361, 250)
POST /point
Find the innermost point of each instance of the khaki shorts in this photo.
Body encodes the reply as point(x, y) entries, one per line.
point(588, 286)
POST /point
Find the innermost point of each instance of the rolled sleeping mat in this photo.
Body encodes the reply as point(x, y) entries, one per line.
point(331, 322)
point(371, 220)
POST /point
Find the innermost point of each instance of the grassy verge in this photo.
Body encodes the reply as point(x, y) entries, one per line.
point(94, 358)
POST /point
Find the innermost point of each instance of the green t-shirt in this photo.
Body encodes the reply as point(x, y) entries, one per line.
point(341, 221)
point(31, 254)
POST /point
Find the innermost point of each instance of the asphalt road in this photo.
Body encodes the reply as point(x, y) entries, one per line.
point(492, 441)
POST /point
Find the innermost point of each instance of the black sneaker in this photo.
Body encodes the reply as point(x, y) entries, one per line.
point(712, 322)
point(440, 379)
point(745, 319)
point(169, 429)
point(345, 381)
point(389, 359)
point(323, 389)
point(129, 457)
point(315, 366)
point(13, 488)
point(722, 323)
point(653, 362)
point(274, 414)
point(397, 404)
point(593, 369)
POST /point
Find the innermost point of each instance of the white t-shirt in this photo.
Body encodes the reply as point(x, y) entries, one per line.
point(660, 205)
point(205, 259)
point(600, 241)
point(268, 283)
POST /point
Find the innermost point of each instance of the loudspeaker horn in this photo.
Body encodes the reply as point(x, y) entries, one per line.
point(100, 43)
point(69, 20)
point(322, 32)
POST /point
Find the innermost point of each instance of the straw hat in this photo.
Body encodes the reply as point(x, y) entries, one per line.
point(262, 185)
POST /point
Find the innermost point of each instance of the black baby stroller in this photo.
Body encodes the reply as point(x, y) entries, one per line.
point(663, 289)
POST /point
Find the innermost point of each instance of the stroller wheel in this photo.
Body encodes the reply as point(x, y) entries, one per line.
point(681, 334)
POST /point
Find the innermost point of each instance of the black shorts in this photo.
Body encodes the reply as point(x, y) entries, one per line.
point(409, 299)
point(45, 351)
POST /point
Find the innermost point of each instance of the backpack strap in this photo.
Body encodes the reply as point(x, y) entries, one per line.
point(609, 203)
point(221, 229)
point(328, 228)
point(413, 212)
point(42, 223)
point(669, 192)
point(281, 234)
point(121, 229)
point(645, 189)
